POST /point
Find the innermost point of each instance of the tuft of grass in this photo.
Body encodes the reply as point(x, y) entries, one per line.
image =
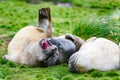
point(96, 74)
point(81, 78)
point(1, 42)
point(68, 77)
point(111, 73)
point(99, 26)
point(11, 64)
point(2, 76)
point(104, 4)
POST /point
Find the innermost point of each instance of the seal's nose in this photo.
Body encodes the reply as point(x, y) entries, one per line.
point(72, 68)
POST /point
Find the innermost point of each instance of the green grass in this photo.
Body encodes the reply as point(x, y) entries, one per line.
point(93, 18)
point(104, 4)
point(99, 26)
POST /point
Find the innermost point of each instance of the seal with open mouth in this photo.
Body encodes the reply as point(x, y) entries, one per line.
point(23, 48)
point(58, 50)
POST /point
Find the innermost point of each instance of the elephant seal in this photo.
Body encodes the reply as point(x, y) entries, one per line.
point(96, 53)
point(24, 47)
point(64, 47)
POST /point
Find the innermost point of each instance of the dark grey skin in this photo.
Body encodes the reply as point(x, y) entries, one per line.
point(62, 49)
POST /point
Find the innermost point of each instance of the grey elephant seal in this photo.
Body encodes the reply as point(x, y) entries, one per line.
point(64, 47)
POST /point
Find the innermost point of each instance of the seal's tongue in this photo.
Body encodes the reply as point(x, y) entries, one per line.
point(45, 44)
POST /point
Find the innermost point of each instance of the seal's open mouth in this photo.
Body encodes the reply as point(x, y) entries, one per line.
point(44, 44)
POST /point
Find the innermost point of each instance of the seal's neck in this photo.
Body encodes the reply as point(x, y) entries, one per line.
point(46, 26)
point(43, 24)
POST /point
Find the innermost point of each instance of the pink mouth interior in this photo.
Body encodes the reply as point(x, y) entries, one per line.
point(45, 44)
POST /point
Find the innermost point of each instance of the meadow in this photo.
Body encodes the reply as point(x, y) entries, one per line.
point(86, 18)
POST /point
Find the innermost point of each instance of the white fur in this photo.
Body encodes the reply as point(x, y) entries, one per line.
point(44, 23)
point(24, 47)
point(97, 53)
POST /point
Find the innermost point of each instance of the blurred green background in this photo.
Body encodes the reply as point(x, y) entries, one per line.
point(84, 18)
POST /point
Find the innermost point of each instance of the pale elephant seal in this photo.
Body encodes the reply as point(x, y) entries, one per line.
point(24, 47)
point(96, 53)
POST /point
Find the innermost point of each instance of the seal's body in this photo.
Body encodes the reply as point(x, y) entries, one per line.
point(24, 47)
point(96, 53)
